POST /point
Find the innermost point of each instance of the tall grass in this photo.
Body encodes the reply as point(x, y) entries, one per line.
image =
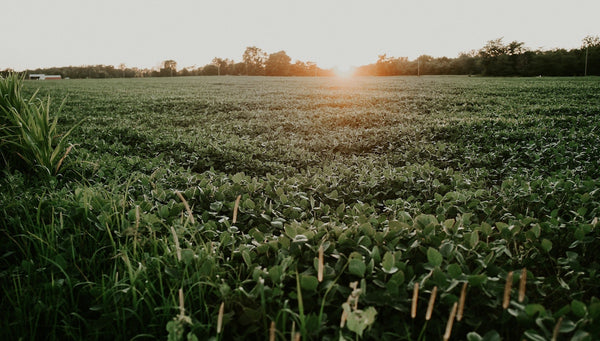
point(28, 132)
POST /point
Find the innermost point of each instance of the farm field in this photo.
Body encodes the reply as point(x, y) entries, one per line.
point(204, 207)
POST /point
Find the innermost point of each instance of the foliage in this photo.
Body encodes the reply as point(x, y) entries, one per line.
point(278, 64)
point(254, 61)
point(29, 132)
point(435, 181)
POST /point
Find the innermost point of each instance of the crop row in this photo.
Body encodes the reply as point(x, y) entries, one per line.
point(345, 196)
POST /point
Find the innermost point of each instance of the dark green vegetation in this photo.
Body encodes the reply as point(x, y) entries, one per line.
point(437, 181)
point(29, 137)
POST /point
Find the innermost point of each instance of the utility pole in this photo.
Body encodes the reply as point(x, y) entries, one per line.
point(586, 58)
point(588, 41)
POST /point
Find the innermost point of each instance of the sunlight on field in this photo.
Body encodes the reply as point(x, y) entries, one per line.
point(344, 71)
point(255, 201)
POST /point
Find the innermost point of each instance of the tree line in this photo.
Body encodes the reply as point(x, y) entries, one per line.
point(495, 58)
point(255, 62)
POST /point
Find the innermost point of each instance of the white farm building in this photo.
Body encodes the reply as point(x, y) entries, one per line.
point(41, 76)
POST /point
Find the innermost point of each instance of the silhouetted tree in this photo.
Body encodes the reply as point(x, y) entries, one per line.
point(278, 64)
point(210, 70)
point(254, 58)
point(169, 68)
point(225, 66)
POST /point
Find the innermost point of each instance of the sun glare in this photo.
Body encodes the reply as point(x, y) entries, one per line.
point(344, 71)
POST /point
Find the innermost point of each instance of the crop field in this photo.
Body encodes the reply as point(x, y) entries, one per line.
point(265, 208)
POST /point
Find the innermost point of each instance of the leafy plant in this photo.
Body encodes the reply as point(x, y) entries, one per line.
point(261, 200)
point(29, 129)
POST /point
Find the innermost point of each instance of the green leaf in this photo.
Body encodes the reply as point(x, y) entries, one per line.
point(340, 210)
point(249, 204)
point(247, 258)
point(237, 178)
point(532, 309)
point(187, 256)
point(276, 273)
point(534, 335)
point(546, 245)
point(473, 336)
point(567, 326)
point(454, 270)
point(581, 335)
point(357, 267)
point(434, 257)
point(388, 262)
point(595, 310)
point(474, 239)
point(216, 206)
point(578, 308)
point(477, 280)
point(492, 336)
point(537, 230)
point(175, 329)
point(359, 320)
point(309, 283)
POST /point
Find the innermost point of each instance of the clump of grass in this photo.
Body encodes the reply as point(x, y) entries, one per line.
point(28, 132)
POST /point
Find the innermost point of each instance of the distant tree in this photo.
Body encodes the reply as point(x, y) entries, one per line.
point(593, 43)
point(122, 67)
point(225, 66)
point(426, 65)
point(299, 68)
point(383, 65)
point(312, 68)
point(168, 69)
point(498, 59)
point(590, 41)
point(210, 70)
point(254, 58)
point(278, 64)
point(239, 68)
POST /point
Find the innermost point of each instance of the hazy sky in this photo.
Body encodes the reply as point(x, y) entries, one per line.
point(142, 33)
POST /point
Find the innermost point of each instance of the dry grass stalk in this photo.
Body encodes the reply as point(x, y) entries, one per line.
point(272, 331)
point(320, 268)
point(461, 302)
point(343, 319)
point(235, 208)
point(220, 318)
point(413, 309)
point(137, 217)
point(556, 329)
point(63, 158)
point(187, 207)
point(507, 288)
point(176, 239)
point(297, 336)
point(522, 285)
point(293, 333)
point(450, 322)
point(353, 298)
point(181, 303)
point(137, 226)
point(431, 303)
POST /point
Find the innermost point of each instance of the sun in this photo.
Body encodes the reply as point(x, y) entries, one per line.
point(344, 71)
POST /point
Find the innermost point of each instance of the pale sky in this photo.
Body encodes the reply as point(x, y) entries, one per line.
point(142, 33)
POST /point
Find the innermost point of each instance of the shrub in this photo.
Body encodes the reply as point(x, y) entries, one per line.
point(28, 134)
